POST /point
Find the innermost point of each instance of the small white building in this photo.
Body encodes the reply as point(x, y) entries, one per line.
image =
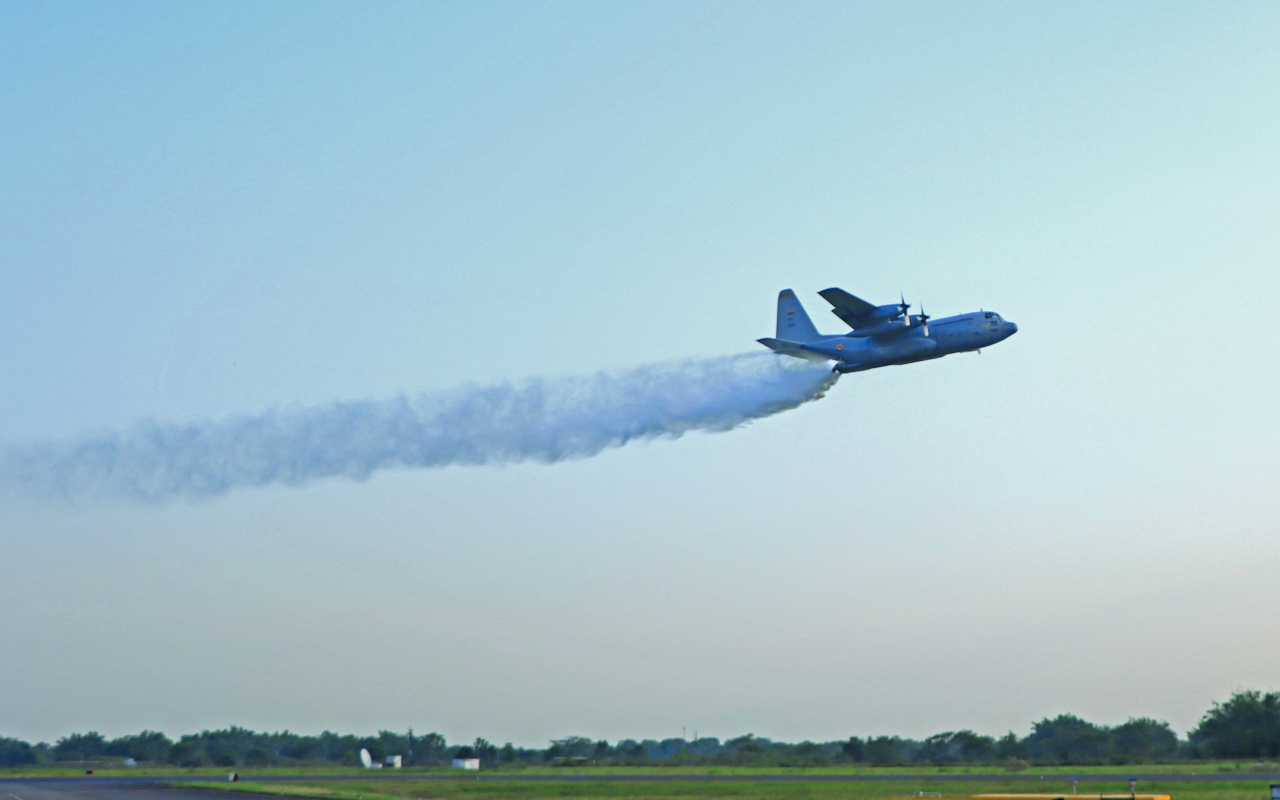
point(467, 763)
point(394, 761)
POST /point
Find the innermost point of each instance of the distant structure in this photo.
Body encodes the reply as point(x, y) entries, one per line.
point(394, 762)
point(467, 763)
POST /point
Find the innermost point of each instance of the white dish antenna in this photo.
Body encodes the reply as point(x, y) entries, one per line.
point(365, 758)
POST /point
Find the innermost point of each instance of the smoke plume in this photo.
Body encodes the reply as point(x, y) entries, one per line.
point(538, 420)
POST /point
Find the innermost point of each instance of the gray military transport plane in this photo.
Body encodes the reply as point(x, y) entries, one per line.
point(881, 335)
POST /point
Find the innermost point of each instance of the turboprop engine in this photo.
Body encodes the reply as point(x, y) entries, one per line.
point(891, 311)
point(896, 326)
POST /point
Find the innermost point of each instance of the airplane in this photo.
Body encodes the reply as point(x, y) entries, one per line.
point(882, 335)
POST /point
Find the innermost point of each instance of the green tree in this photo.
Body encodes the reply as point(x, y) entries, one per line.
point(344, 749)
point(485, 751)
point(393, 744)
point(188, 752)
point(746, 744)
point(15, 751)
point(377, 750)
point(1144, 739)
point(574, 747)
point(957, 746)
point(1067, 739)
point(80, 746)
point(853, 749)
point(146, 746)
point(631, 749)
point(807, 753)
point(302, 748)
point(1246, 726)
point(434, 747)
point(1010, 746)
point(886, 750)
point(974, 746)
point(808, 749)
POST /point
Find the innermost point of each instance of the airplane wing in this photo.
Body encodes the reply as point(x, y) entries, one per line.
point(853, 310)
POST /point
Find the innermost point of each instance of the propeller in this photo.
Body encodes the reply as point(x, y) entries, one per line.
point(924, 320)
point(903, 305)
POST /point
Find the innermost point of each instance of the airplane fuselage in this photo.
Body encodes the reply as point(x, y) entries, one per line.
point(934, 339)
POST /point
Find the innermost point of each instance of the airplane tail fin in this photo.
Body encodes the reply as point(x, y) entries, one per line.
point(794, 324)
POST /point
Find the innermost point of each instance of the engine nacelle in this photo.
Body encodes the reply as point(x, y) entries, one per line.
point(892, 311)
point(886, 328)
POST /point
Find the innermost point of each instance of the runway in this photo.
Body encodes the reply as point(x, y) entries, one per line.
point(97, 789)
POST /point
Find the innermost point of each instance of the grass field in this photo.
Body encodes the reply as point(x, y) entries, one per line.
point(743, 786)
point(691, 783)
point(590, 783)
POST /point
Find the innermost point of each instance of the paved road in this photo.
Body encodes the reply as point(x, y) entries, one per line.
point(96, 789)
point(155, 788)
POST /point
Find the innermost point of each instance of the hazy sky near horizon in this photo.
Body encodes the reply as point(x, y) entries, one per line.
point(213, 210)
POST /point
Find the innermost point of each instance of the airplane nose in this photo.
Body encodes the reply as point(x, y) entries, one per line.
point(1012, 327)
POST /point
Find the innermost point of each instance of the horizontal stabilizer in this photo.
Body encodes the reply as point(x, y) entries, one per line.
point(789, 348)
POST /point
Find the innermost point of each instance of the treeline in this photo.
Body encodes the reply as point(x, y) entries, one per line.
point(1246, 726)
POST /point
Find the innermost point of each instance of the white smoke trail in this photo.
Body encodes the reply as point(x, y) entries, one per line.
point(539, 420)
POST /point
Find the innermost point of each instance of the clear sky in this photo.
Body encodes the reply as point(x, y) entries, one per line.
point(212, 210)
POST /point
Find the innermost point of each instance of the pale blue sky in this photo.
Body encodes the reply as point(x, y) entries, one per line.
point(212, 210)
